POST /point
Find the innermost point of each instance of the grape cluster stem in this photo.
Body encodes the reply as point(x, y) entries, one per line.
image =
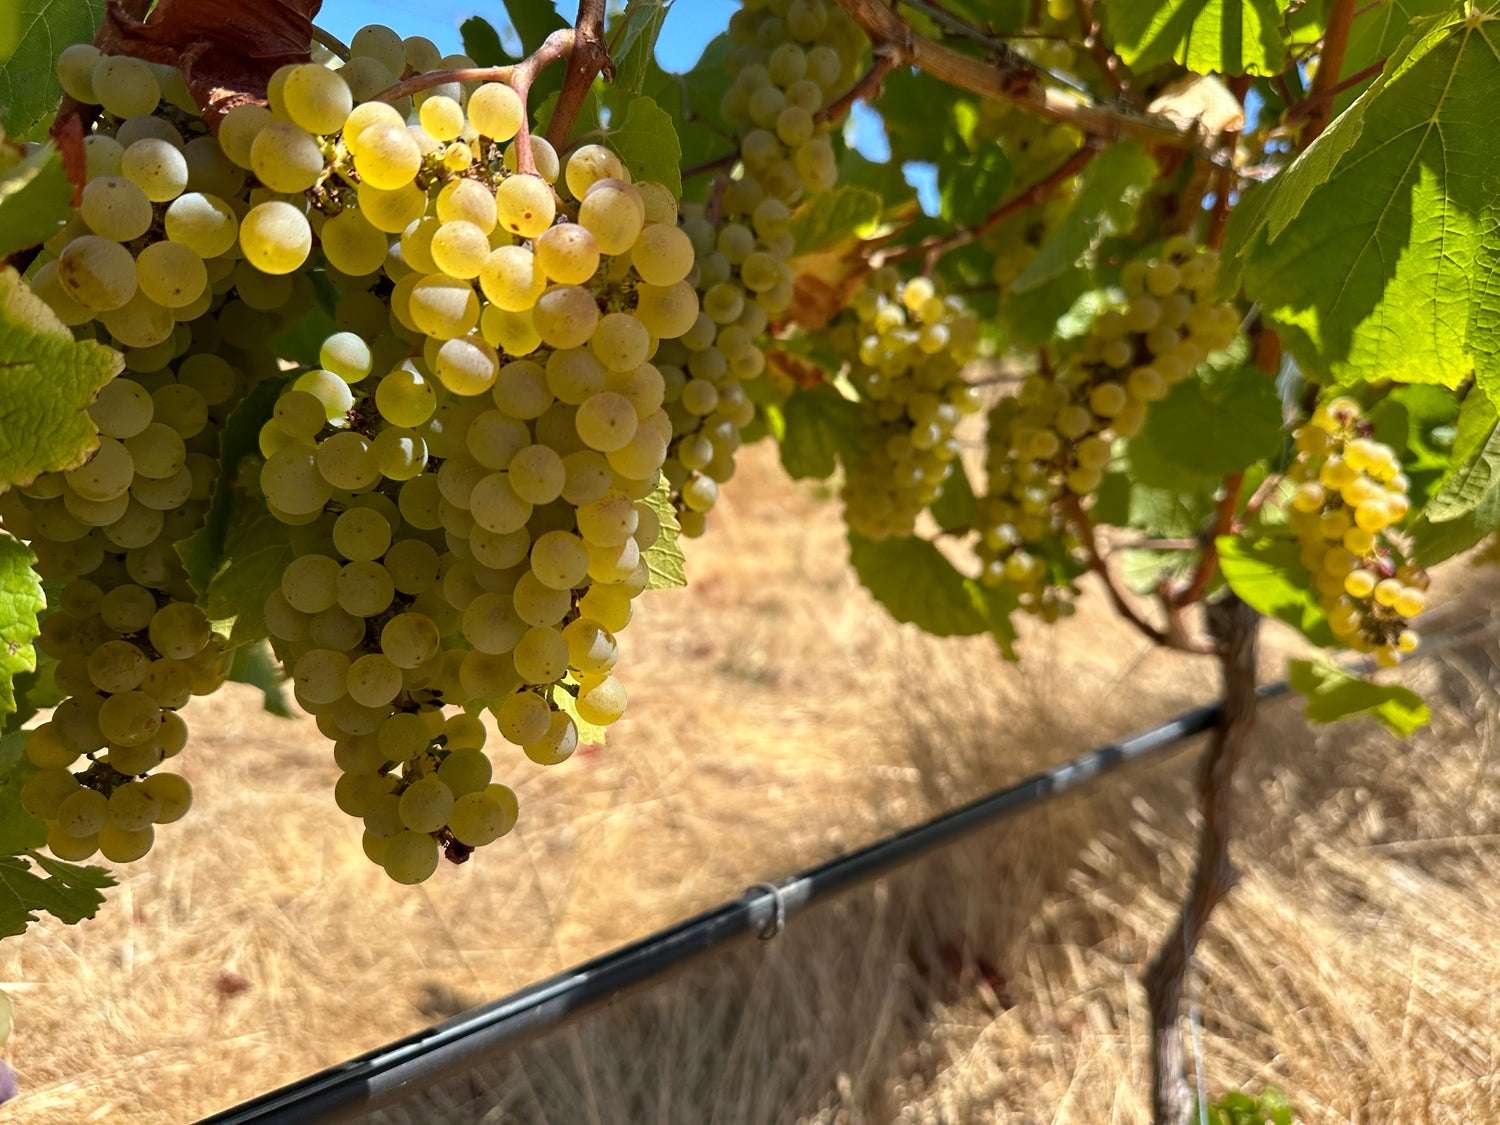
point(982, 77)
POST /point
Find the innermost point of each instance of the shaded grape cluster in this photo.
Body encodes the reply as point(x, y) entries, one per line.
point(1054, 439)
point(906, 346)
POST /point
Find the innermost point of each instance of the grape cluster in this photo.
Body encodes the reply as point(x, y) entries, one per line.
point(790, 59)
point(465, 474)
point(150, 264)
point(1053, 440)
point(906, 346)
point(1350, 493)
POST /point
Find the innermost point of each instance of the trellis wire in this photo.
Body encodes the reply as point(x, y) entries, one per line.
point(397, 1070)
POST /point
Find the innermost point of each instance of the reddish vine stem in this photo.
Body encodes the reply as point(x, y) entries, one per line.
point(1110, 64)
point(1321, 99)
point(725, 161)
point(1330, 62)
point(590, 57)
point(332, 42)
point(884, 61)
point(980, 76)
point(1218, 219)
point(1208, 561)
point(1039, 192)
point(1097, 564)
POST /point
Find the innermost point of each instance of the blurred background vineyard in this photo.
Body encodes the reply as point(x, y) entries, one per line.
point(778, 717)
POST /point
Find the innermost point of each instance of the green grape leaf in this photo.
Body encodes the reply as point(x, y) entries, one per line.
point(46, 380)
point(1109, 189)
point(255, 665)
point(1376, 257)
point(301, 342)
point(202, 552)
point(1057, 309)
point(967, 189)
point(635, 54)
point(1207, 427)
point(1334, 693)
point(1476, 462)
point(917, 584)
point(664, 558)
point(259, 549)
point(884, 178)
point(10, 35)
point(534, 20)
point(21, 600)
point(35, 200)
point(64, 890)
point(34, 691)
point(1224, 36)
point(482, 42)
point(1433, 542)
point(833, 216)
point(995, 604)
point(954, 507)
point(647, 143)
point(1376, 33)
point(589, 734)
point(29, 90)
point(1268, 577)
point(915, 128)
point(822, 426)
point(588, 114)
point(19, 830)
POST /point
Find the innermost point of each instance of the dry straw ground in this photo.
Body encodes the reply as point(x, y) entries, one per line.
point(777, 718)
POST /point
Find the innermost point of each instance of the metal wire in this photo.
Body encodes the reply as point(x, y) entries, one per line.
point(397, 1070)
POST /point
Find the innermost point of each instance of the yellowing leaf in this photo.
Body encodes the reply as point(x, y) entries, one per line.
point(46, 381)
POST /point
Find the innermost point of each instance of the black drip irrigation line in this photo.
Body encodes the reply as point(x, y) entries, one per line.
point(397, 1070)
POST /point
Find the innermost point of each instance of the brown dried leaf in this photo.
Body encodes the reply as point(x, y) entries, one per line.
point(805, 375)
point(227, 50)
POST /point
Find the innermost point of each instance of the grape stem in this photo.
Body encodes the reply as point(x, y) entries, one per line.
point(982, 76)
point(884, 60)
point(936, 246)
point(1110, 65)
point(725, 161)
point(588, 57)
point(1330, 62)
point(329, 40)
point(1173, 638)
point(1208, 561)
point(518, 76)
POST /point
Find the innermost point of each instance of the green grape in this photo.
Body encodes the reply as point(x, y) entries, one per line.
point(511, 277)
point(425, 805)
point(171, 274)
point(482, 818)
point(614, 213)
point(569, 255)
point(316, 99)
point(496, 111)
point(557, 745)
point(115, 208)
point(124, 86)
point(524, 204)
point(275, 237)
point(588, 165)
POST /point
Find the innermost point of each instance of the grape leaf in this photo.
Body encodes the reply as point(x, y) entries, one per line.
point(255, 665)
point(19, 830)
point(1207, 427)
point(1223, 36)
point(647, 143)
point(1268, 577)
point(1377, 31)
point(1109, 189)
point(635, 54)
point(954, 507)
point(35, 200)
point(10, 35)
point(20, 601)
point(482, 42)
point(29, 90)
point(589, 734)
point(821, 427)
point(258, 549)
point(65, 890)
point(995, 604)
point(1432, 542)
point(917, 584)
point(46, 380)
point(833, 216)
point(1377, 257)
point(1334, 693)
point(1476, 462)
point(202, 552)
point(968, 188)
point(533, 20)
point(664, 558)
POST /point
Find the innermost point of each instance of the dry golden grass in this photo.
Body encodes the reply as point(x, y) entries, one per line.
point(777, 718)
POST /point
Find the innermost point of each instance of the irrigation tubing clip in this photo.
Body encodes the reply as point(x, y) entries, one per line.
point(777, 922)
